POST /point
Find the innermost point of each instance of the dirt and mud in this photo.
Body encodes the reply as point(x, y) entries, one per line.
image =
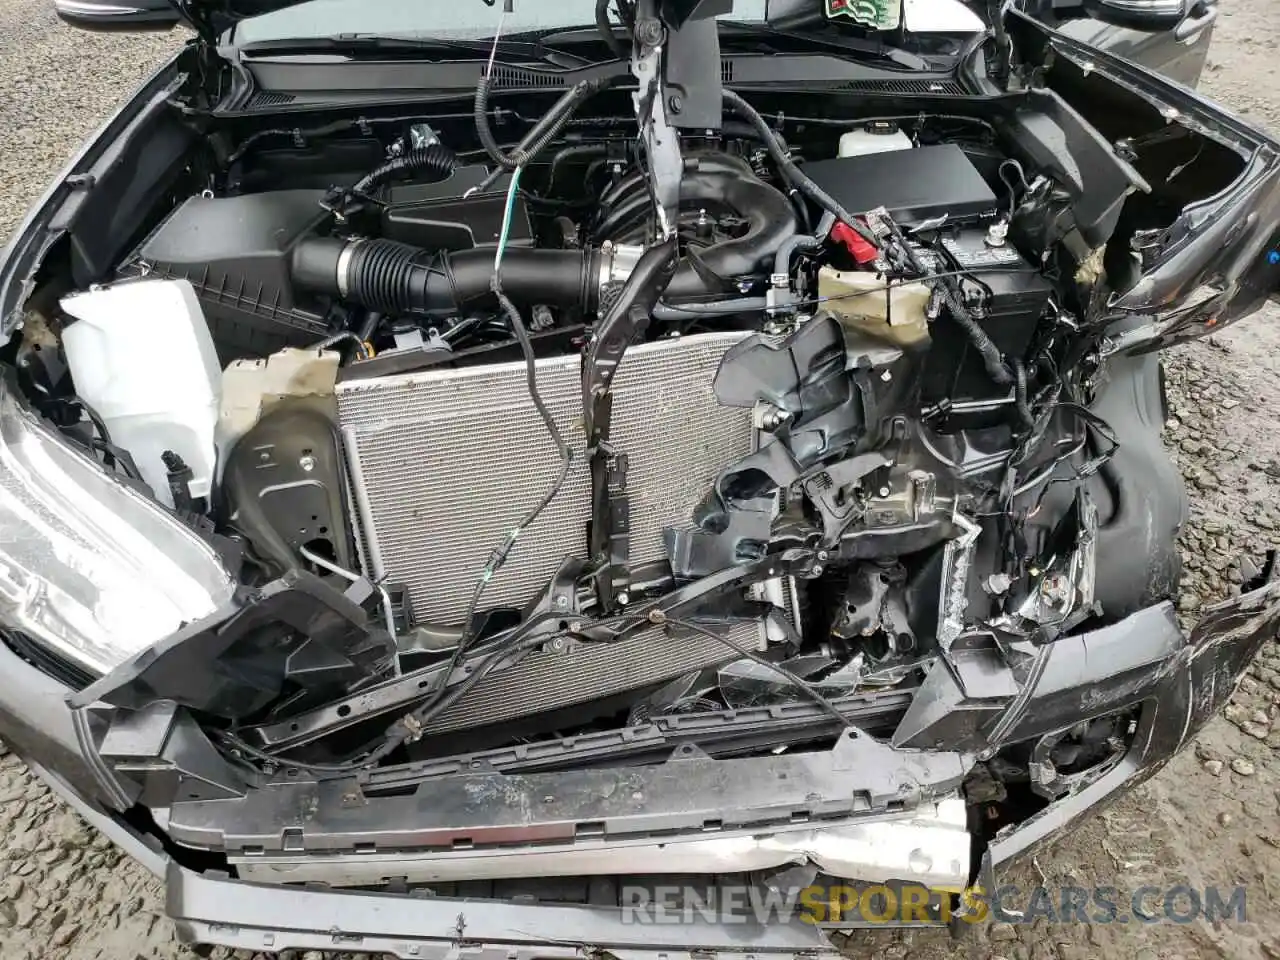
point(1210, 818)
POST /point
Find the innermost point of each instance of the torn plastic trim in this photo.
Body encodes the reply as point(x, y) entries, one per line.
point(236, 660)
point(1188, 107)
point(51, 217)
point(1074, 678)
point(1191, 687)
point(930, 847)
point(249, 916)
point(216, 910)
point(1235, 225)
point(1219, 239)
point(859, 778)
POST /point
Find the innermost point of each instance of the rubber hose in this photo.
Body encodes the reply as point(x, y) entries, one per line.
point(605, 26)
point(434, 158)
point(677, 312)
point(790, 246)
point(568, 154)
point(393, 277)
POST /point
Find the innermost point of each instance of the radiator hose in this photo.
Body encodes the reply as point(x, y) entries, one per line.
point(394, 278)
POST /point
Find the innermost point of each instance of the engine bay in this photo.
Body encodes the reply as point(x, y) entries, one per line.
point(541, 457)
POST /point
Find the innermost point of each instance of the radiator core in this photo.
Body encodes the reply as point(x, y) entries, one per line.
point(445, 462)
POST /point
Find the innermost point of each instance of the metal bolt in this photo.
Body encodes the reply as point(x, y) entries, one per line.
point(562, 602)
point(817, 569)
point(998, 583)
point(557, 644)
point(623, 599)
point(823, 555)
point(658, 617)
point(676, 103)
point(1055, 588)
point(884, 491)
point(649, 31)
point(886, 376)
point(307, 463)
point(576, 626)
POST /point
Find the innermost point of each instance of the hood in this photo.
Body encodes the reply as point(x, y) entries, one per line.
point(212, 17)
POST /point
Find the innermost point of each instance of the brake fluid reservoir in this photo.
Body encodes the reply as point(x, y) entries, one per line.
point(141, 355)
point(859, 299)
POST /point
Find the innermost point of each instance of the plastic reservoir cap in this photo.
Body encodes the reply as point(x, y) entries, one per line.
point(879, 139)
point(141, 355)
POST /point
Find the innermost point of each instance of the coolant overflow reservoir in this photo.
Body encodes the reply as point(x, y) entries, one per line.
point(874, 138)
point(859, 299)
point(141, 355)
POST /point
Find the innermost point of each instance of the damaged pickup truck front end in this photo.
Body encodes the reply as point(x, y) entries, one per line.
point(433, 530)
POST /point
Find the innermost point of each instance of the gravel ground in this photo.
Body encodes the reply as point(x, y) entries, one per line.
point(1211, 817)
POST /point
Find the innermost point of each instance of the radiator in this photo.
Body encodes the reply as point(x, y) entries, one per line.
point(445, 462)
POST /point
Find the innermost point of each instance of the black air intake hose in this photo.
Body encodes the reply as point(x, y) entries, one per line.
point(394, 277)
point(434, 158)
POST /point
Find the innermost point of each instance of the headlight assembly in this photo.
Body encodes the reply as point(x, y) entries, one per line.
point(89, 568)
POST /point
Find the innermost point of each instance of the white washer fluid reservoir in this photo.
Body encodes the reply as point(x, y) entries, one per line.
point(141, 355)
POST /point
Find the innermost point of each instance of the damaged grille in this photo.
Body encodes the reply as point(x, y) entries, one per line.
point(446, 462)
point(548, 681)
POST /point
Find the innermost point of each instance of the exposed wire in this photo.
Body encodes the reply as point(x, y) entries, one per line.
point(446, 695)
point(388, 610)
point(799, 683)
point(112, 455)
point(1014, 165)
point(693, 309)
point(235, 743)
point(497, 34)
point(346, 336)
point(793, 174)
point(513, 189)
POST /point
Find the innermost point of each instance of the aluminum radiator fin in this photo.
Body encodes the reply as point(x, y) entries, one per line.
point(546, 681)
point(450, 460)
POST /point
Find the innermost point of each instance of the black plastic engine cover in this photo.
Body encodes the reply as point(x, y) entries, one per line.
point(438, 216)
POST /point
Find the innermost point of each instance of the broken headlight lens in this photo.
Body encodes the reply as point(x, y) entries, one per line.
point(90, 569)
